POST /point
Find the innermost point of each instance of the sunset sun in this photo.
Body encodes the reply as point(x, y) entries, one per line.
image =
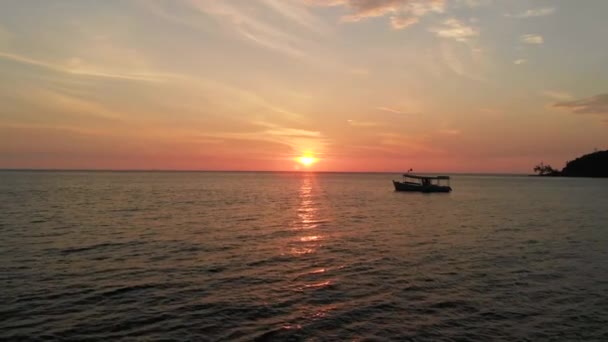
point(307, 160)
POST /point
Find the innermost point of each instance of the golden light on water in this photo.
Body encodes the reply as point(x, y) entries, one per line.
point(310, 238)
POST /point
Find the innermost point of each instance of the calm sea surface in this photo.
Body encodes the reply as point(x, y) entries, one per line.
point(296, 256)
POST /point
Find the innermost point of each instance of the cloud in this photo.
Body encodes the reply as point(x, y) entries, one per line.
point(295, 12)
point(292, 133)
point(249, 27)
point(403, 13)
point(558, 95)
point(400, 22)
point(72, 104)
point(520, 61)
point(297, 140)
point(455, 29)
point(597, 104)
point(217, 90)
point(464, 59)
point(288, 27)
point(356, 123)
point(532, 39)
point(390, 110)
point(473, 3)
point(92, 71)
point(250, 21)
point(531, 13)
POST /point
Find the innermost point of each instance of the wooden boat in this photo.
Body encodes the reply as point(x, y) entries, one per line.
point(427, 184)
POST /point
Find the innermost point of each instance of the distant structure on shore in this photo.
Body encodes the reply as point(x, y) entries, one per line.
point(590, 165)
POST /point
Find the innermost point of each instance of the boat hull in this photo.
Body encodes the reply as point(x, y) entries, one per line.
point(412, 187)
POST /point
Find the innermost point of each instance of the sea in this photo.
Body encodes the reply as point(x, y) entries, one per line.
point(246, 256)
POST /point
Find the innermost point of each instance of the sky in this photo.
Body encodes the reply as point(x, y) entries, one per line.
point(355, 85)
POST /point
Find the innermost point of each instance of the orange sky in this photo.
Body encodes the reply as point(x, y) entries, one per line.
point(384, 85)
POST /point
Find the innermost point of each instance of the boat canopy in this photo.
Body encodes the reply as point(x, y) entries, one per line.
point(409, 175)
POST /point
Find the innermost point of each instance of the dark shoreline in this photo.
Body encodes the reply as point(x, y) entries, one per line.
point(592, 165)
point(564, 176)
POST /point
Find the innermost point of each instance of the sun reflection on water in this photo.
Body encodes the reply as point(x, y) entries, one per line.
point(306, 243)
point(308, 209)
point(310, 238)
point(319, 284)
point(307, 218)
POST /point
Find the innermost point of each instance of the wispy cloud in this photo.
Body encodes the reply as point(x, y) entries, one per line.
point(249, 27)
point(357, 123)
point(446, 128)
point(520, 61)
point(241, 97)
point(597, 104)
point(298, 140)
point(399, 22)
point(403, 13)
point(82, 70)
point(67, 103)
point(277, 130)
point(250, 21)
point(531, 13)
point(558, 95)
point(455, 29)
point(534, 39)
point(463, 60)
point(390, 110)
point(295, 12)
point(473, 3)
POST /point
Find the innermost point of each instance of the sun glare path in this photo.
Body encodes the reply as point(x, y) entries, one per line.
point(307, 160)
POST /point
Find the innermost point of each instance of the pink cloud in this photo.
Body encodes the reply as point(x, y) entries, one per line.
point(403, 13)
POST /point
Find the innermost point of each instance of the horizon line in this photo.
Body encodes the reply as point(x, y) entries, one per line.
point(244, 171)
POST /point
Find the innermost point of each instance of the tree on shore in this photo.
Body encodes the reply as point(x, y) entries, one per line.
point(544, 170)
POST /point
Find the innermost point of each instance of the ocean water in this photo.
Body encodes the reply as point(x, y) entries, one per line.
point(300, 256)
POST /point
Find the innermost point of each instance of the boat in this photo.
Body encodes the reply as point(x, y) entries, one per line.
point(426, 184)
